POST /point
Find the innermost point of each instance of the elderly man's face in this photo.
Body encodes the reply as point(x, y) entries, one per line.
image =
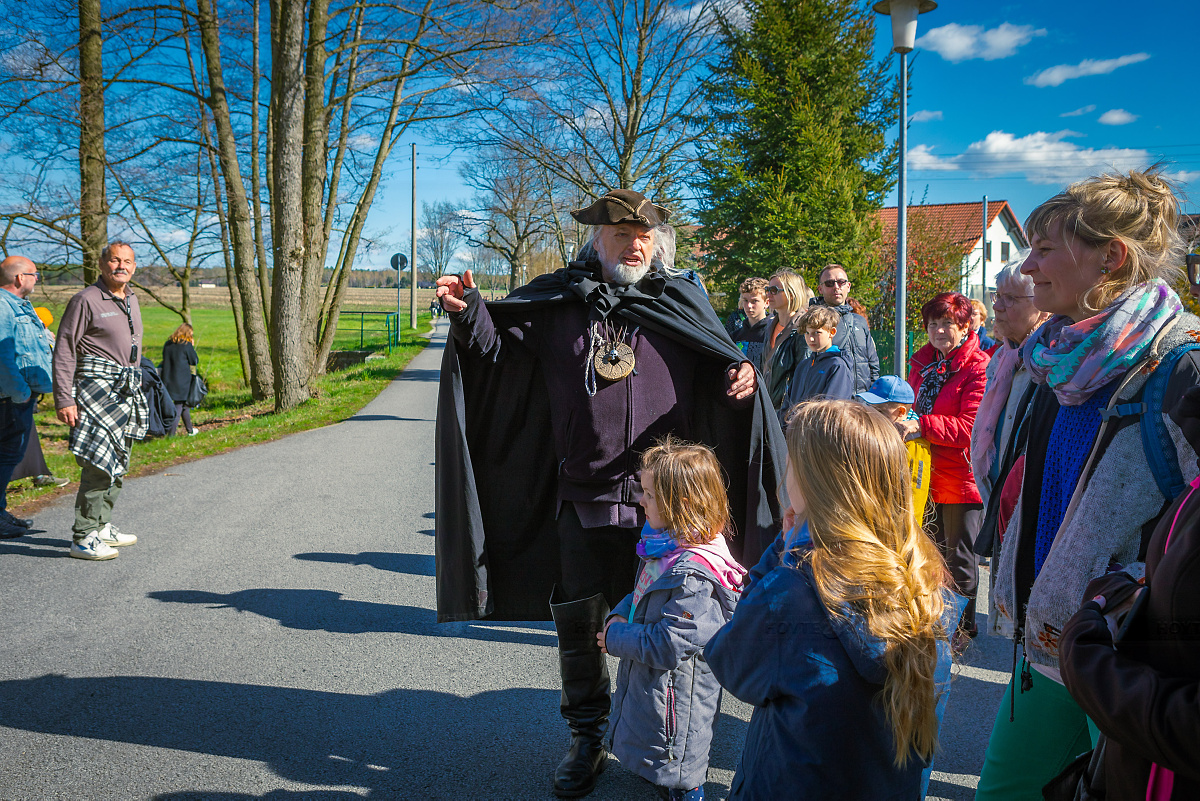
point(625, 251)
point(117, 269)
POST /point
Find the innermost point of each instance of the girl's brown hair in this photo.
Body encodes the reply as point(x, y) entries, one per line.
point(687, 484)
point(870, 557)
point(1138, 208)
point(182, 334)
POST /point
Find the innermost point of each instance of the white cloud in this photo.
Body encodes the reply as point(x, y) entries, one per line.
point(1055, 76)
point(1043, 158)
point(1079, 112)
point(1117, 116)
point(956, 42)
point(925, 116)
point(1183, 176)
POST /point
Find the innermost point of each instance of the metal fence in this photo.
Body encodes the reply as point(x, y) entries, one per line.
point(366, 330)
point(884, 339)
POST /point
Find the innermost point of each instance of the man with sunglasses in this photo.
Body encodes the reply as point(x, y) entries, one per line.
point(24, 375)
point(98, 393)
point(853, 336)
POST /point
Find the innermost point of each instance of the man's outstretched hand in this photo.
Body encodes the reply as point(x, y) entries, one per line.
point(450, 291)
point(742, 381)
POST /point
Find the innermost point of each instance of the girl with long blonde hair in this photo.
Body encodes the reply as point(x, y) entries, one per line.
point(840, 638)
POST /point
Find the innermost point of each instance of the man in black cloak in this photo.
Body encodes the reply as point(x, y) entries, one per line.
point(547, 400)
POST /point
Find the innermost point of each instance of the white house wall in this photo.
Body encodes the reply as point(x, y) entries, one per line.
point(973, 283)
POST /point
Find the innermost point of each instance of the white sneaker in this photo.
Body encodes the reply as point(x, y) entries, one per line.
point(111, 535)
point(93, 548)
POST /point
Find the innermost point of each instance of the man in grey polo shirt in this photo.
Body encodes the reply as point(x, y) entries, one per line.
point(98, 393)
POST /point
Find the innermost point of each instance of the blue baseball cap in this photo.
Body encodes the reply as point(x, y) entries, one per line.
point(888, 389)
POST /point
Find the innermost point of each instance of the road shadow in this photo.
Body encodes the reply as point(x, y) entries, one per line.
point(326, 610)
point(419, 374)
point(414, 564)
point(372, 418)
point(37, 546)
point(398, 744)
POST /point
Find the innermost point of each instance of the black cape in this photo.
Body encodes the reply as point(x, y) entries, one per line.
point(496, 471)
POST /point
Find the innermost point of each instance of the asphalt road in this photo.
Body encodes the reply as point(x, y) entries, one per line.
point(272, 635)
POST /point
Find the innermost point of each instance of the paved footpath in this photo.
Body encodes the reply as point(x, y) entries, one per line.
point(272, 635)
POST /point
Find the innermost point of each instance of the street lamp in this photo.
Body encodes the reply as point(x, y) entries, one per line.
point(904, 34)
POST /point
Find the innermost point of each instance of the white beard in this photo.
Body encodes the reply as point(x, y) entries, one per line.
point(623, 274)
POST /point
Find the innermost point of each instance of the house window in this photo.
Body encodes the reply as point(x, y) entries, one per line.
point(1004, 251)
point(987, 252)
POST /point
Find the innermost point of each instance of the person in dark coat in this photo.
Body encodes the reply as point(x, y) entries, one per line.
point(854, 333)
point(823, 373)
point(179, 362)
point(164, 416)
point(1143, 693)
point(801, 645)
point(547, 400)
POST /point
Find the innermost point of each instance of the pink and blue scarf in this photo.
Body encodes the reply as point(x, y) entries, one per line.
point(1076, 359)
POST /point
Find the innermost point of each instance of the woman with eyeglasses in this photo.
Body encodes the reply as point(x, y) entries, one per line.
point(995, 450)
point(1105, 254)
point(788, 296)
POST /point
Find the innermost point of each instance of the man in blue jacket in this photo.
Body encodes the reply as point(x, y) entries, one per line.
point(24, 374)
point(853, 338)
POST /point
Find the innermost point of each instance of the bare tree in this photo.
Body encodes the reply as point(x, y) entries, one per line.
point(441, 236)
point(510, 213)
point(624, 116)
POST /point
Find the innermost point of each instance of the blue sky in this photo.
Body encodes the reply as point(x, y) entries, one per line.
point(1009, 100)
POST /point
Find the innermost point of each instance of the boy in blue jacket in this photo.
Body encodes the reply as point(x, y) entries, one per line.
point(824, 374)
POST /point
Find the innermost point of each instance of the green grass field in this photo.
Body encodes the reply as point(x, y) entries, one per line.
point(229, 417)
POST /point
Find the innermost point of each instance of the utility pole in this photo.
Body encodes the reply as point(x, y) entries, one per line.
point(412, 248)
point(984, 258)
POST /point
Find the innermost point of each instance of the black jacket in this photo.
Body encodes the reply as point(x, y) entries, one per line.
point(1145, 694)
point(162, 407)
point(497, 473)
point(853, 338)
point(178, 360)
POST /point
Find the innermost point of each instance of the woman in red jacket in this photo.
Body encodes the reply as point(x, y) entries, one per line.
point(949, 376)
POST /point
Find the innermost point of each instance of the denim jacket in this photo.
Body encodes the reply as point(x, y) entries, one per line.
point(24, 350)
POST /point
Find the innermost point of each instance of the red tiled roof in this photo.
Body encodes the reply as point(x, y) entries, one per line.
point(962, 220)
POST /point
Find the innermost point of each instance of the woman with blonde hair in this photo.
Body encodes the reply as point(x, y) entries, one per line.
point(1105, 255)
point(178, 364)
point(840, 638)
point(787, 296)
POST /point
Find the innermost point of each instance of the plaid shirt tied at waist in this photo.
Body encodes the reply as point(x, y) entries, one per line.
point(112, 411)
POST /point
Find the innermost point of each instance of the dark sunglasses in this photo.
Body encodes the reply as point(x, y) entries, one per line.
point(1193, 268)
point(773, 290)
point(836, 282)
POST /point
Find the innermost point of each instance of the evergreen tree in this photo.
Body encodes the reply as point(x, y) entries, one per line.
point(801, 165)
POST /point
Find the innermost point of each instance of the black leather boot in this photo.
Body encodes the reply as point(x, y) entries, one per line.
point(585, 699)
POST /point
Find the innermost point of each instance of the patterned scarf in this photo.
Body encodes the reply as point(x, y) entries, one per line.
point(933, 377)
point(1006, 362)
point(1076, 359)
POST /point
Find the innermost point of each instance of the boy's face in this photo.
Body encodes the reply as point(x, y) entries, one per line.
point(754, 305)
point(819, 339)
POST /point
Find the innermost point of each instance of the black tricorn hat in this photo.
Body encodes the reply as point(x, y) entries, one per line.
point(622, 206)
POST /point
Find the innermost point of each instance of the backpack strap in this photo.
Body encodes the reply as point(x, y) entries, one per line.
point(1156, 440)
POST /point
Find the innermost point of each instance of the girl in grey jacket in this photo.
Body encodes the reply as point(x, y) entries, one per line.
point(667, 697)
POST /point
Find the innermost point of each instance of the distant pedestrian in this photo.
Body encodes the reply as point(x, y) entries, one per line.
point(750, 335)
point(839, 639)
point(98, 393)
point(823, 373)
point(24, 374)
point(686, 589)
point(854, 338)
point(979, 318)
point(179, 363)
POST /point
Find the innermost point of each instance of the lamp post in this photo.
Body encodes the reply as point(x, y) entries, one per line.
point(904, 34)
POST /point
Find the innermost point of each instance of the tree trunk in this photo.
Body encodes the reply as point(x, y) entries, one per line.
point(93, 206)
point(292, 369)
point(314, 173)
point(240, 227)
